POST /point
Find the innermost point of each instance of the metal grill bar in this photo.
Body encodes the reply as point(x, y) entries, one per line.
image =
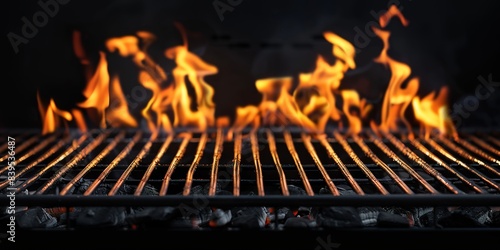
point(382, 164)
point(153, 164)
point(426, 151)
point(93, 163)
point(430, 170)
point(476, 150)
point(178, 156)
point(23, 146)
point(236, 164)
point(447, 154)
point(361, 165)
point(484, 145)
point(79, 156)
point(274, 152)
point(403, 164)
point(310, 148)
point(257, 163)
point(298, 164)
point(113, 164)
point(357, 188)
point(466, 155)
point(215, 162)
point(494, 140)
point(192, 168)
point(67, 152)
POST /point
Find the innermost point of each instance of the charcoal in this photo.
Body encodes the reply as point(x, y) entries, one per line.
point(35, 218)
point(345, 190)
point(338, 217)
point(299, 222)
point(495, 219)
point(100, 216)
point(180, 223)
point(386, 219)
point(249, 217)
point(153, 215)
point(294, 190)
point(428, 217)
point(369, 215)
point(281, 214)
point(466, 217)
point(218, 218)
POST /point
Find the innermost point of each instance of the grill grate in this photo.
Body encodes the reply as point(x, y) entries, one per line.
point(263, 162)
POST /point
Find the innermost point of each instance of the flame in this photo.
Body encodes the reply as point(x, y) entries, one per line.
point(192, 68)
point(117, 113)
point(393, 11)
point(432, 112)
point(51, 115)
point(351, 100)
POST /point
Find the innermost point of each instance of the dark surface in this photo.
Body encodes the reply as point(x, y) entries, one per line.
point(447, 43)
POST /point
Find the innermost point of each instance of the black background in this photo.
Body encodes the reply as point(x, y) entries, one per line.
point(447, 43)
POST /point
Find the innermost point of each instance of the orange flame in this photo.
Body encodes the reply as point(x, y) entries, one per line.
point(432, 112)
point(51, 116)
point(352, 100)
point(393, 11)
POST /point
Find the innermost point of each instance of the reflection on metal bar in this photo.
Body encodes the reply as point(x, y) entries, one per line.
point(194, 164)
point(153, 164)
point(274, 153)
point(215, 162)
point(236, 164)
point(414, 157)
point(22, 146)
point(298, 164)
point(258, 165)
point(360, 163)
point(382, 164)
point(494, 140)
point(355, 186)
point(178, 156)
point(144, 151)
point(444, 152)
point(76, 144)
point(93, 163)
point(484, 145)
point(477, 151)
point(78, 157)
point(113, 164)
point(47, 153)
point(306, 139)
point(466, 155)
point(464, 179)
point(401, 163)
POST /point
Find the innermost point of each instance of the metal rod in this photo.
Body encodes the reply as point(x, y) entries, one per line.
point(274, 153)
point(298, 164)
point(30, 153)
point(414, 157)
point(484, 144)
point(153, 164)
point(401, 163)
point(376, 200)
point(477, 150)
point(215, 162)
point(494, 140)
point(444, 152)
point(44, 156)
point(78, 157)
point(360, 163)
point(178, 156)
point(381, 164)
point(194, 164)
point(22, 146)
point(144, 151)
point(460, 176)
point(236, 164)
point(113, 163)
point(306, 139)
point(257, 163)
point(76, 144)
point(355, 186)
point(93, 163)
point(466, 155)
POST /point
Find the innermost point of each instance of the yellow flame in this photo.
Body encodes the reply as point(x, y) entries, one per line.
point(117, 114)
point(51, 116)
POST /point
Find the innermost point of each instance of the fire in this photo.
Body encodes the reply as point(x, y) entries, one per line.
point(316, 101)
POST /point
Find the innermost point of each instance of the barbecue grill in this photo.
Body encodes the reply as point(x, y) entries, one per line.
point(376, 127)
